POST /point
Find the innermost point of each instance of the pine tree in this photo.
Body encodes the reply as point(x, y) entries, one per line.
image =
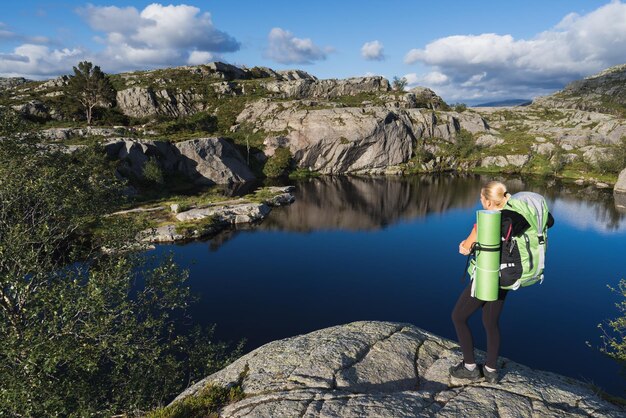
point(399, 84)
point(90, 87)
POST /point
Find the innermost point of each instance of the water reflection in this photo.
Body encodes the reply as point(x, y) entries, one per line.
point(359, 203)
point(370, 203)
point(362, 203)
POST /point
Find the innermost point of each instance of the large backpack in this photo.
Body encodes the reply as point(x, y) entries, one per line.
point(531, 244)
point(522, 257)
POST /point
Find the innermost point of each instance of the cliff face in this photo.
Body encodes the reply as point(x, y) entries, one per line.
point(204, 161)
point(384, 369)
point(354, 139)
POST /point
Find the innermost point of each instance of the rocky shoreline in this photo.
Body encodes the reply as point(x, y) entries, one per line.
point(386, 369)
point(208, 220)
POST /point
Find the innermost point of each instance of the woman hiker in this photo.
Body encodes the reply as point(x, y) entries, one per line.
point(493, 196)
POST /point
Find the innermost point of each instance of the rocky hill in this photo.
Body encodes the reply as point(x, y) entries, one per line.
point(357, 125)
point(184, 91)
point(604, 92)
point(385, 369)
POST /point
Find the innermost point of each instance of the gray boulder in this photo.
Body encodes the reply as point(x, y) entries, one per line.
point(593, 154)
point(518, 160)
point(230, 214)
point(144, 101)
point(205, 161)
point(425, 97)
point(544, 148)
point(620, 186)
point(33, 109)
point(225, 71)
point(137, 101)
point(489, 140)
point(386, 369)
point(61, 134)
point(10, 82)
point(61, 81)
point(226, 88)
point(300, 85)
point(212, 160)
point(294, 75)
point(165, 233)
point(565, 158)
point(282, 196)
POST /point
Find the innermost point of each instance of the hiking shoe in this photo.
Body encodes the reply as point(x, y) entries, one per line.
point(461, 372)
point(491, 377)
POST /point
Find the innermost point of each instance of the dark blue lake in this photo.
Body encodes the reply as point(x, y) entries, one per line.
point(353, 249)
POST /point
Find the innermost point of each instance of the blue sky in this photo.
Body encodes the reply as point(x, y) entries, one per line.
point(465, 51)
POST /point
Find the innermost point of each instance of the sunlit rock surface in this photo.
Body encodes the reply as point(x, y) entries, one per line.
point(386, 369)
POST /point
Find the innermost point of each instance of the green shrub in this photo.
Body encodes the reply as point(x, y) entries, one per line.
point(108, 116)
point(198, 122)
point(278, 164)
point(459, 107)
point(615, 161)
point(614, 330)
point(206, 403)
point(85, 332)
point(197, 228)
point(303, 173)
point(464, 145)
point(558, 161)
point(399, 83)
point(152, 172)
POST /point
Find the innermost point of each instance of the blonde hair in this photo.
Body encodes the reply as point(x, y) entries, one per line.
point(495, 192)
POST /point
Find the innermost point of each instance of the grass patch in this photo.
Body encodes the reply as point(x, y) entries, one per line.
point(197, 228)
point(198, 197)
point(262, 195)
point(303, 173)
point(205, 403)
point(613, 107)
point(517, 140)
point(246, 135)
point(358, 99)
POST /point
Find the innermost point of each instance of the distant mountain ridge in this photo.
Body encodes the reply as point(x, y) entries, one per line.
point(507, 102)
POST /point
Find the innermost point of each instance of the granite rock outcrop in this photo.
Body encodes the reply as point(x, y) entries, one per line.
point(205, 161)
point(386, 369)
point(352, 139)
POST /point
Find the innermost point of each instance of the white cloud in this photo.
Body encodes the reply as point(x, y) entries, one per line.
point(491, 65)
point(156, 36)
point(285, 48)
point(38, 61)
point(112, 18)
point(200, 57)
point(373, 51)
point(434, 78)
point(159, 27)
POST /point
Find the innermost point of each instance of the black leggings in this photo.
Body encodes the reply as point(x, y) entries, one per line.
point(464, 308)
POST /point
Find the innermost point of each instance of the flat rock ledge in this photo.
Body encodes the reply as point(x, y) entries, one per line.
point(223, 216)
point(387, 369)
